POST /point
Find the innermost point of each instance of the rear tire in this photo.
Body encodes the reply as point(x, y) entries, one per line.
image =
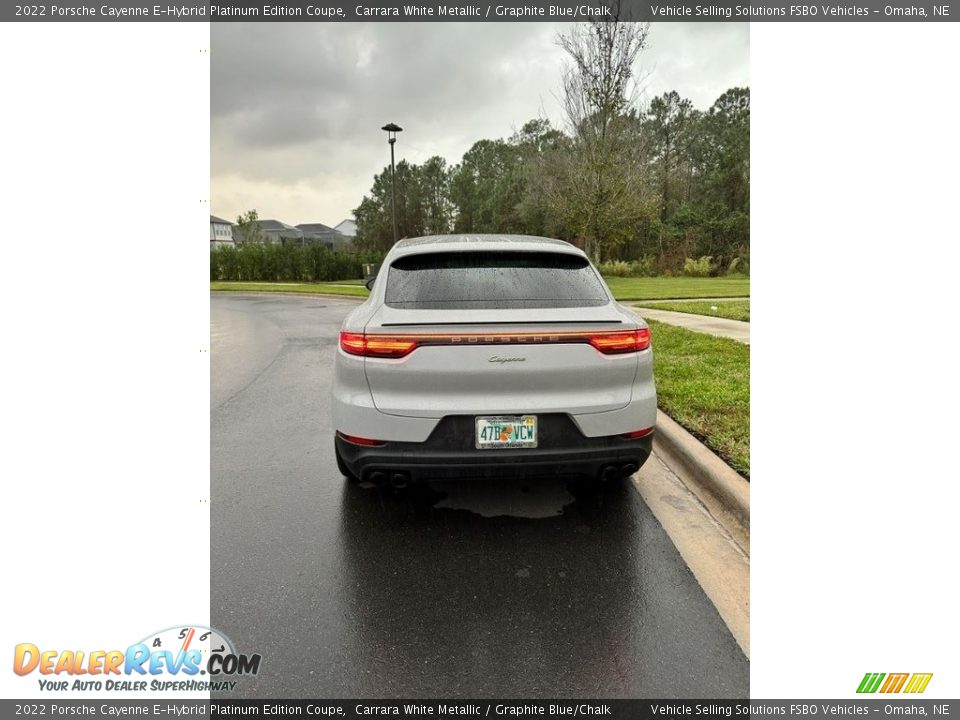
point(342, 467)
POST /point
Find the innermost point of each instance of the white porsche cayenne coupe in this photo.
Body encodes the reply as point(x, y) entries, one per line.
point(478, 355)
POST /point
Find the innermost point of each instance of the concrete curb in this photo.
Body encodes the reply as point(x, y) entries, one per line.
point(704, 468)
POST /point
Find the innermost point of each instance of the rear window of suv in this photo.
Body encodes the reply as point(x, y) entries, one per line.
point(479, 280)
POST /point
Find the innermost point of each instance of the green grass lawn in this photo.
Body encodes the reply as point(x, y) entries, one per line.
point(354, 288)
point(669, 288)
point(703, 382)
point(731, 309)
point(622, 288)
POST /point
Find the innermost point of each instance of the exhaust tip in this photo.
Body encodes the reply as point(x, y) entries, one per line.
point(628, 469)
point(399, 480)
point(377, 477)
point(609, 472)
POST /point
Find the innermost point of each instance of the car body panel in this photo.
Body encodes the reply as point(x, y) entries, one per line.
point(403, 401)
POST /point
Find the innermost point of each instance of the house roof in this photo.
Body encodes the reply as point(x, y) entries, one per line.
point(215, 219)
point(275, 225)
point(315, 228)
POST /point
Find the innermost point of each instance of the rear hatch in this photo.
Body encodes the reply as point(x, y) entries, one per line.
point(499, 333)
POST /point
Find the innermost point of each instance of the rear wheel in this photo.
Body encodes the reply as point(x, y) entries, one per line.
point(342, 467)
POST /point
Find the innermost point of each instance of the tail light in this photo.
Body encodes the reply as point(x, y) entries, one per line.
point(612, 343)
point(376, 345)
point(397, 346)
point(637, 434)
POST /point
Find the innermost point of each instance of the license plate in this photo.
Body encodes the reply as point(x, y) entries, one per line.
point(510, 431)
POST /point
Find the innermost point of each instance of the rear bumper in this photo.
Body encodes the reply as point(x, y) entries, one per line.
point(449, 452)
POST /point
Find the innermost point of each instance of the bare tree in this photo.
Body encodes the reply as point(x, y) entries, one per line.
point(600, 83)
point(599, 186)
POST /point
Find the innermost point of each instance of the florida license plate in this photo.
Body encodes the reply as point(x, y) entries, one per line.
point(509, 431)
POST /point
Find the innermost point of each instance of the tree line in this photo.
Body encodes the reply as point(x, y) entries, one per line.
point(653, 185)
point(256, 261)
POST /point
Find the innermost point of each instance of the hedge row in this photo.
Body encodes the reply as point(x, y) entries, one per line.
point(290, 263)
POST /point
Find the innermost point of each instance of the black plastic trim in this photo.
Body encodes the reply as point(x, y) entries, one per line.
point(449, 452)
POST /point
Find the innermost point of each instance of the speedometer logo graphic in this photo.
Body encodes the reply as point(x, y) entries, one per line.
point(206, 649)
point(184, 638)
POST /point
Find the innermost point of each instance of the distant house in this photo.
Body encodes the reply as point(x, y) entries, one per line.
point(321, 234)
point(279, 233)
point(221, 232)
point(347, 227)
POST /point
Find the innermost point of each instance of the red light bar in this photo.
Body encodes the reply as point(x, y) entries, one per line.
point(637, 434)
point(397, 346)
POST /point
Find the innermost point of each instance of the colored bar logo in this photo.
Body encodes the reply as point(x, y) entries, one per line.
point(894, 682)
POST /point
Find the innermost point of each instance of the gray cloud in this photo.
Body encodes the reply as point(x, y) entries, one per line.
point(296, 107)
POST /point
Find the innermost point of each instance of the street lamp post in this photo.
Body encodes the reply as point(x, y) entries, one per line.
point(392, 129)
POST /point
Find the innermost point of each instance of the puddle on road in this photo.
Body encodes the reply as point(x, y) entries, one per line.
point(527, 498)
point(530, 499)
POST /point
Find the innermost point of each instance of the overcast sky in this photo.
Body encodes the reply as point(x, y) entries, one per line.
point(297, 107)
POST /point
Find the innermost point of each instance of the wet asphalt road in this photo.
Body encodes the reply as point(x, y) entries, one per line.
point(506, 589)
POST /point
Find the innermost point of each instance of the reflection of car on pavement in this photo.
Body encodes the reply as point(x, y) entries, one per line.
point(488, 353)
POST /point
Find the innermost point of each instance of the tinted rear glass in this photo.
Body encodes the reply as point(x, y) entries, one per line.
point(493, 280)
